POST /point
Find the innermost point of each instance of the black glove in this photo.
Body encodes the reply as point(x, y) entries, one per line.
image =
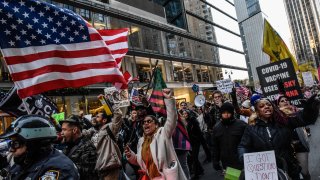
point(311, 109)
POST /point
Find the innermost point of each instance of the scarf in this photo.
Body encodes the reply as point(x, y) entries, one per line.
point(147, 157)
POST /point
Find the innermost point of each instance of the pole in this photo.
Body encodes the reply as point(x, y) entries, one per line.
point(148, 87)
point(26, 105)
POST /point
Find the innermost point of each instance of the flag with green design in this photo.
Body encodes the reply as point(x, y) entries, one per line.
point(157, 99)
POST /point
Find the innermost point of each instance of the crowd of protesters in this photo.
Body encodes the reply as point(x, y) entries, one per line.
point(105, 146)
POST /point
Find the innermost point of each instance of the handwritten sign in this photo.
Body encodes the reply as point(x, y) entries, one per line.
point(307, 79)
point(119, 98)
point(260, 166)
point(225, 86)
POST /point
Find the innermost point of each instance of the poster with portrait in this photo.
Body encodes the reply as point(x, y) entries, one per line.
point(119, 98)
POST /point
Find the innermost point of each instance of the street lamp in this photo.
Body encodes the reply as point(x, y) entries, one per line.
point(229, 73)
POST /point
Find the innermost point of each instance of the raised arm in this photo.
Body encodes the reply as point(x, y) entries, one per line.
point(172, 116)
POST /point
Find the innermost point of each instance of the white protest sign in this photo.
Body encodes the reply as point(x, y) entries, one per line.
point(225, 86)
point(260, 166)
point(120, 98)
point(307, 78)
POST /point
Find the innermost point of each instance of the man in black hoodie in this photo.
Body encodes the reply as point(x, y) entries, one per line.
point(226, 137)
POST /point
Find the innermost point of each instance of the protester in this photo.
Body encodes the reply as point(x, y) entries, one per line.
point(245, 111)
point(300, 141)
point(195, 134)
point(226, 138)
point(272, 131)
point(80, 150)
point(155, 155)
point(32, 152)
point(108, 162)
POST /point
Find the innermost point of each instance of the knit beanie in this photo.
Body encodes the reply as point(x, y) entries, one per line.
point(254, 98)
point(227, 107)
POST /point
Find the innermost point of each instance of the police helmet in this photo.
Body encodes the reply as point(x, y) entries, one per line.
point(30, 128)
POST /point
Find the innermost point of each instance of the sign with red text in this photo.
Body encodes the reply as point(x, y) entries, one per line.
point(260, 166)
point(269, 75)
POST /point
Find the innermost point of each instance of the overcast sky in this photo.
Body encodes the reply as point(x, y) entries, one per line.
point(274, 11)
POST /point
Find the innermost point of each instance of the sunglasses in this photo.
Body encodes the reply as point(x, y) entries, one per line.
point(15, 144)
point(147, 121)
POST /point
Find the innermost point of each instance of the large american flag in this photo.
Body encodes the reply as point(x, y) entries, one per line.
point(46, 48)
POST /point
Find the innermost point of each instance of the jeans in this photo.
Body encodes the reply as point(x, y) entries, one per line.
point(303, 157)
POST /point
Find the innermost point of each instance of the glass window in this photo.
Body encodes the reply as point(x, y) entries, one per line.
point(177, 71)
point(205, 74)
point(198, 72)
point(169, 71)
point(187, 69)
point(99, 21)
point(84, 13)
point(174, 13)
point(135, 40)
point(129, 65)
point(143, 69)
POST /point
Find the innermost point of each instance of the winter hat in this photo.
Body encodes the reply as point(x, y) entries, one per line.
point(246, 104)
point(227, 107)
point(254, 99)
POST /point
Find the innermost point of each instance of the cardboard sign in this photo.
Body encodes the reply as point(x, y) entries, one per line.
point(119, 98)
point(225, 86)
point(260, 166)
point(269, 75)
point(307, 78)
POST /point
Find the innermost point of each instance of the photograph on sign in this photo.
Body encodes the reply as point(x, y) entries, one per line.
point(260, 166)
point(119, 98)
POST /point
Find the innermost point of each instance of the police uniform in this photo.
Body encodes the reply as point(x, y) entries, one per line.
point(56, 166)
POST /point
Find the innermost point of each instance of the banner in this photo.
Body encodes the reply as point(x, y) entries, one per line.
point(38, 104)
point(270, 73)
point(225, 86)
point(260, 166)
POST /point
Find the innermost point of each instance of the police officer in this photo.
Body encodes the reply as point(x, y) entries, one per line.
point(32, 152)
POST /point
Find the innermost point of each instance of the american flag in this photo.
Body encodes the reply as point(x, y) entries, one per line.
point(243, 93)
point(46, 48)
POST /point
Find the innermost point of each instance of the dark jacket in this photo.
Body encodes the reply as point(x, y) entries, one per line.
point(194, 130)
point(214, 117)
point(55, 165)
point(226, 139)
point(83, 154)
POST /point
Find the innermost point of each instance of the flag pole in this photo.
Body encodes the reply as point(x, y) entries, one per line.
point(26, 105)
point(148, 87)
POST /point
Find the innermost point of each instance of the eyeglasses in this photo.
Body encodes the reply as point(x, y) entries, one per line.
point(147, 121)
point(15, 144)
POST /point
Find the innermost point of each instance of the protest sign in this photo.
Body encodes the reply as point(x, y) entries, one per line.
point(260, 166)
point(307, 79)
point(119, 98)
point(58, 116)
point(269, 74)
point(225, 86)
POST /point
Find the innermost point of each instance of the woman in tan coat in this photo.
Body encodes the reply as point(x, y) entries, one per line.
point(155, 153)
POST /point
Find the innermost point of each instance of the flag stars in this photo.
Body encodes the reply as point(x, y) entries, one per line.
point(7, 32)
point(76, 33)
point(62, 34)
point(22, 3)
point(29, 26)
point(48, 36)
point(19, 21)
point(47, 8)
point(27, 42)
point(31, 8)
point(13, 26)
point(5, 4)
point(16, 10)
point(41, 14)
point(64, 18)
point(33, 36)
point(44, 25)
point(38, 3)
point(57, 41)
point(67, 28)
point(23, 32)
point(35, 20)
point(17, 37)
point(12, 43)
point(71, 39)
point(3, 21)
point(50, 19)
point(73, 22)
point(43, 41)
point(84, 37)
point(26, 15)
point(58, 23)
point(39, 31)
point(54, 30)
point(56, 13)
point(9, 15)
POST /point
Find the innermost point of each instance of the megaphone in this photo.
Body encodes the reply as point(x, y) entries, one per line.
point(199, 100)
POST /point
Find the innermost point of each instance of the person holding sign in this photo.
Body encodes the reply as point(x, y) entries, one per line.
point(272, 131)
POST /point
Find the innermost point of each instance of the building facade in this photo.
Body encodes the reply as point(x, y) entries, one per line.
point(251, 23)
point(303, 17)
point(177, 35)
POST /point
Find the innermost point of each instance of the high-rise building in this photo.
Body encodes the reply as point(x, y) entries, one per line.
point(251, 22)
point(178, 35)
point(303, 17)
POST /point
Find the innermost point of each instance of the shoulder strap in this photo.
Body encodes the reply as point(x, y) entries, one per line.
point(111, 134)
